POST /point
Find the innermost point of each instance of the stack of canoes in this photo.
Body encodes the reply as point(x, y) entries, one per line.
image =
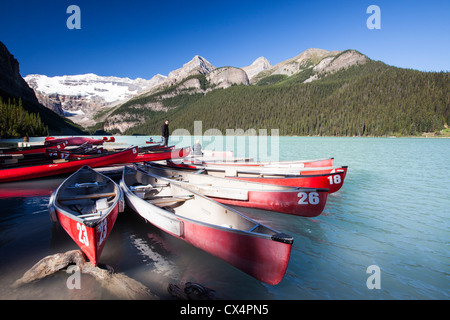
point(187, 197)
point(24, 170)
point(66, 155)
point(190, 201)
point(299, 201)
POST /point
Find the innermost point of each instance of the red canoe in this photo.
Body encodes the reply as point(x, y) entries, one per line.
point(35, 149)
point(164, 154)
point(288, 169)
point(73, 141)
point(53, 167)
point(331, 180)
point(219, 230)
point(269, 164)
point(85, 150)
point(306, 202)
point(150, 155)
point(86, 205)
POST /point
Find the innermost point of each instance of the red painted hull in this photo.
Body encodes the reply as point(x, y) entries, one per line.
point(86, 205)
point(304, 202)
point(34, 149)
point(262, 258)
point(332, 181)
point(44, 170)
point(163, 155)
point(225, 233)
point(74, 141)
point(91, 240)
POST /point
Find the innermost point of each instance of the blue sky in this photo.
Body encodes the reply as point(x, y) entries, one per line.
point(137, 38)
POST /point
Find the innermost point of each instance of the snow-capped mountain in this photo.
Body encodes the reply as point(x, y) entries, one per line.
point(83, 95)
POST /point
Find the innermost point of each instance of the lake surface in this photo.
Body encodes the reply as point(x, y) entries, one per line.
point(392, 212)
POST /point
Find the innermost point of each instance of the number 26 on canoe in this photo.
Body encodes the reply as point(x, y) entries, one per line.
point(308, 198)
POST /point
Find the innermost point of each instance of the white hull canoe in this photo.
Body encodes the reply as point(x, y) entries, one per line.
point(219, 230)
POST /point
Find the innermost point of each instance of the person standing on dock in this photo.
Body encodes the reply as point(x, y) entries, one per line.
point(197, 148)
point(165, 132)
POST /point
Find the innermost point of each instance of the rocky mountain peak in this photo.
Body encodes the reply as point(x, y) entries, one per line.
point(256, 67)
point(227, 76)
point(319, 60)
point(198, 65)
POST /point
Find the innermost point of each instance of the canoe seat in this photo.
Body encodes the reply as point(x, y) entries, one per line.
point(92, 210)
point(146, 187)
point(87, 185)
point(95, 215)
point(164, 200)
point(87, 196)
point(141, 187)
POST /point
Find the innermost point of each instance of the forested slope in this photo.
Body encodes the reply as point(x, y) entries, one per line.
point(372, 99)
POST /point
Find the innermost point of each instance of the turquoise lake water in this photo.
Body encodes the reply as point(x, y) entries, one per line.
point(392, 213)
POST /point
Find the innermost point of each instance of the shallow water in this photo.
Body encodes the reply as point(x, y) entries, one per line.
point(392, 212)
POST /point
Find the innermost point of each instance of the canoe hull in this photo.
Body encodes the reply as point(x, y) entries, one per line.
point(71, 204)
point(303, 202)
point(332, 181)
point(264, 259)
point(34, 149)
point(163, 155)
point(73, 141)
point(263, 256)
point(44, 170)
point(91, 240)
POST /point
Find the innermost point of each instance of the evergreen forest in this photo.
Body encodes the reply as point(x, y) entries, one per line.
point(16, 122)
point(371, 99)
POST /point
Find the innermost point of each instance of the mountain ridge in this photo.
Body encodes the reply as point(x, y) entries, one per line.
point(317, 92)
point(91, 94)
point(368, 99)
